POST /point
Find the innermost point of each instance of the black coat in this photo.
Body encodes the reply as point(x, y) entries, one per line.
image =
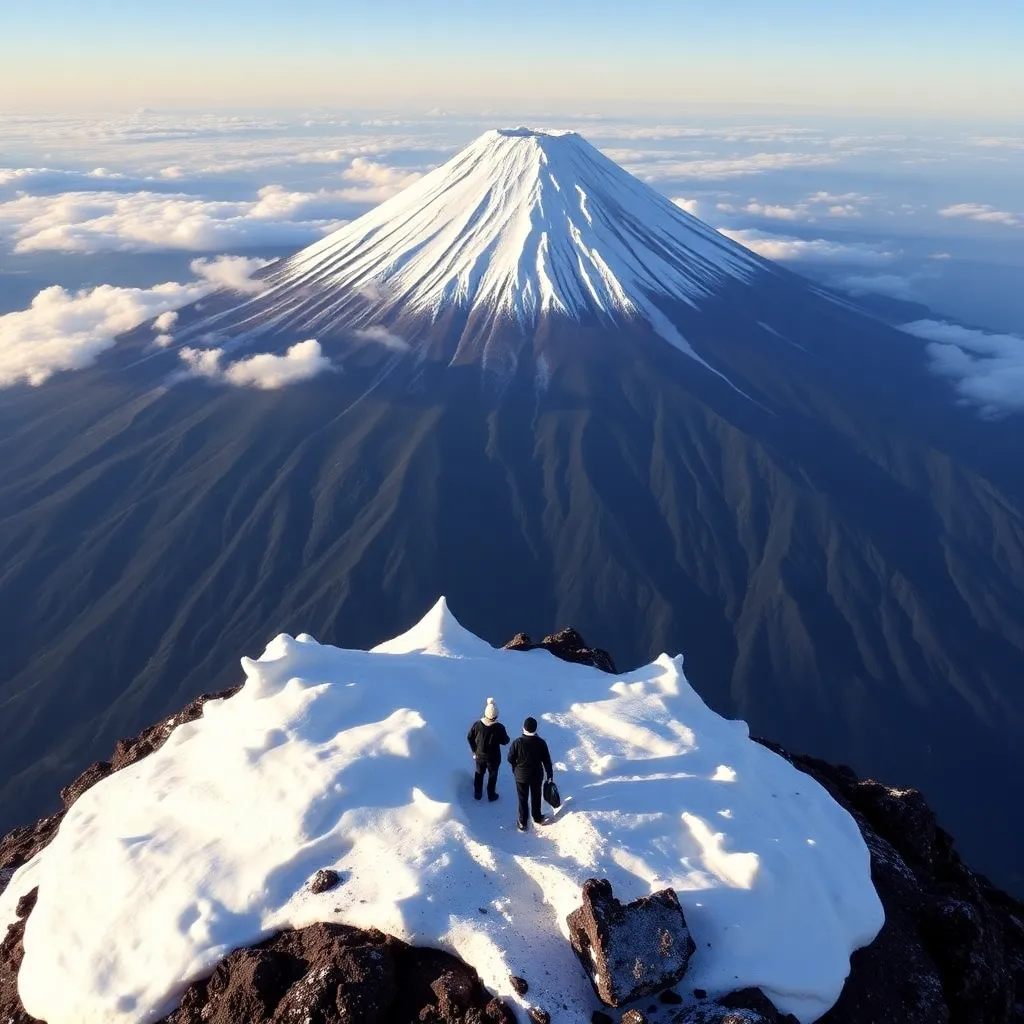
point(530, 758)
point(486, 741)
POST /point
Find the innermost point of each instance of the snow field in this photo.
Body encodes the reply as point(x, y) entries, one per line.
point(517, 224)
point(358, 761)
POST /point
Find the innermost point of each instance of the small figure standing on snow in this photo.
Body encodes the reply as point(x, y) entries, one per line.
point(531, 761)
point(486, 738)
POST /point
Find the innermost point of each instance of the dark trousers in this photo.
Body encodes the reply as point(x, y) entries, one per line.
point(492, 778)
point(529, 789)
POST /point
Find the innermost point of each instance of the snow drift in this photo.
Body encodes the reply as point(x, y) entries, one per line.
point(357, 761)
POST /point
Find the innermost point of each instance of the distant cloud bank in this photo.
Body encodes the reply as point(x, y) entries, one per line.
point(988, 368)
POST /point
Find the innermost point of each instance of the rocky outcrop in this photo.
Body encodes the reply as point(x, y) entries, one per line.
point(629, 950)
point(749, 1006)
point(329, 974)
point(568, 645)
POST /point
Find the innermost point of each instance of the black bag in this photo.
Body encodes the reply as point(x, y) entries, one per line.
point(551, 794)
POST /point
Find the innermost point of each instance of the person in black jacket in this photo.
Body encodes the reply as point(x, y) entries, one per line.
point(531, 761)
point(486, 738)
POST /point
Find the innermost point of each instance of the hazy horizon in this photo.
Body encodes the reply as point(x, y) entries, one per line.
point(943, 58)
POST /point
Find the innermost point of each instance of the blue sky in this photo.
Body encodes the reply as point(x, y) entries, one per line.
point(941, 56)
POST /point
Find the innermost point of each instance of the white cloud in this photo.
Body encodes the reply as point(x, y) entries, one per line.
point(145, 221)
point(940, 256)
point(775, 211)
point(369, 172)
point(841, 197)
point(97, 221)
point(266, 371)
point(382, 336)
point(691, 206)
point(732, 167)
point(786, 249)
point(65, 330)
point(231, 272)
point(843, 210)
point(982, 212)
point(988, 368)
point(893, 285)
point(1001, 142)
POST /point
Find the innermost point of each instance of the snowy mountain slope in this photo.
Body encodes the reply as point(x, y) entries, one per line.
point(358, 761)
point(519, 224)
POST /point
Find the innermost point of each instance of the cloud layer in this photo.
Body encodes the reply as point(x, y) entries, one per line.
point(982, 212)
point(785, 248)
point(64, 330)
point(93, 217)
point(988, 368)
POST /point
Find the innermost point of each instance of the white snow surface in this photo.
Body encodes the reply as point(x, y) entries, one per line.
point(358, 761)
point(519, 223)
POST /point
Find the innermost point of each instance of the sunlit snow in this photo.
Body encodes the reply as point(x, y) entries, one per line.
point(518, 224)
point(358, 761)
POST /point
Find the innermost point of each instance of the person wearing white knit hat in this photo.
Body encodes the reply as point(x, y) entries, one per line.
point(486, 738)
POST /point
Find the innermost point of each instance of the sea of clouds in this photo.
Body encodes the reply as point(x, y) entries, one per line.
point(885, 212)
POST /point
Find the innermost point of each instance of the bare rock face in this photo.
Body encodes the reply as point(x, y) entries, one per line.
point(568, 645)
point(630, 950)
point(333, 974)
point(12, 952)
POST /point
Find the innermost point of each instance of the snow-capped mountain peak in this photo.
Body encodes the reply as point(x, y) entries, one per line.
point(520, 223)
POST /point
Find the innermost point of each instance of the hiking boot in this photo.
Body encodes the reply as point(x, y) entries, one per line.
point(522, 828)
point(492, 797)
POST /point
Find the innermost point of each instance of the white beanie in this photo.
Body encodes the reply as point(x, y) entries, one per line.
point(491, 709)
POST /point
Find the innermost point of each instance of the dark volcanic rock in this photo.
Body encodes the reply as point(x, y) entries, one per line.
point(629, 950)
point(568, 645)
point(520, 985)
point(747, 1006)
point(499, 1012)
point(12, 952)
point(333, 974)
point(634, 1017)
point(323, 881)
point(538, 1016)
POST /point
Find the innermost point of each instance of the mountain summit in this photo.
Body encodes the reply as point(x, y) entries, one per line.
point(522, 223)
point(533, 384)
point(519, 225)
